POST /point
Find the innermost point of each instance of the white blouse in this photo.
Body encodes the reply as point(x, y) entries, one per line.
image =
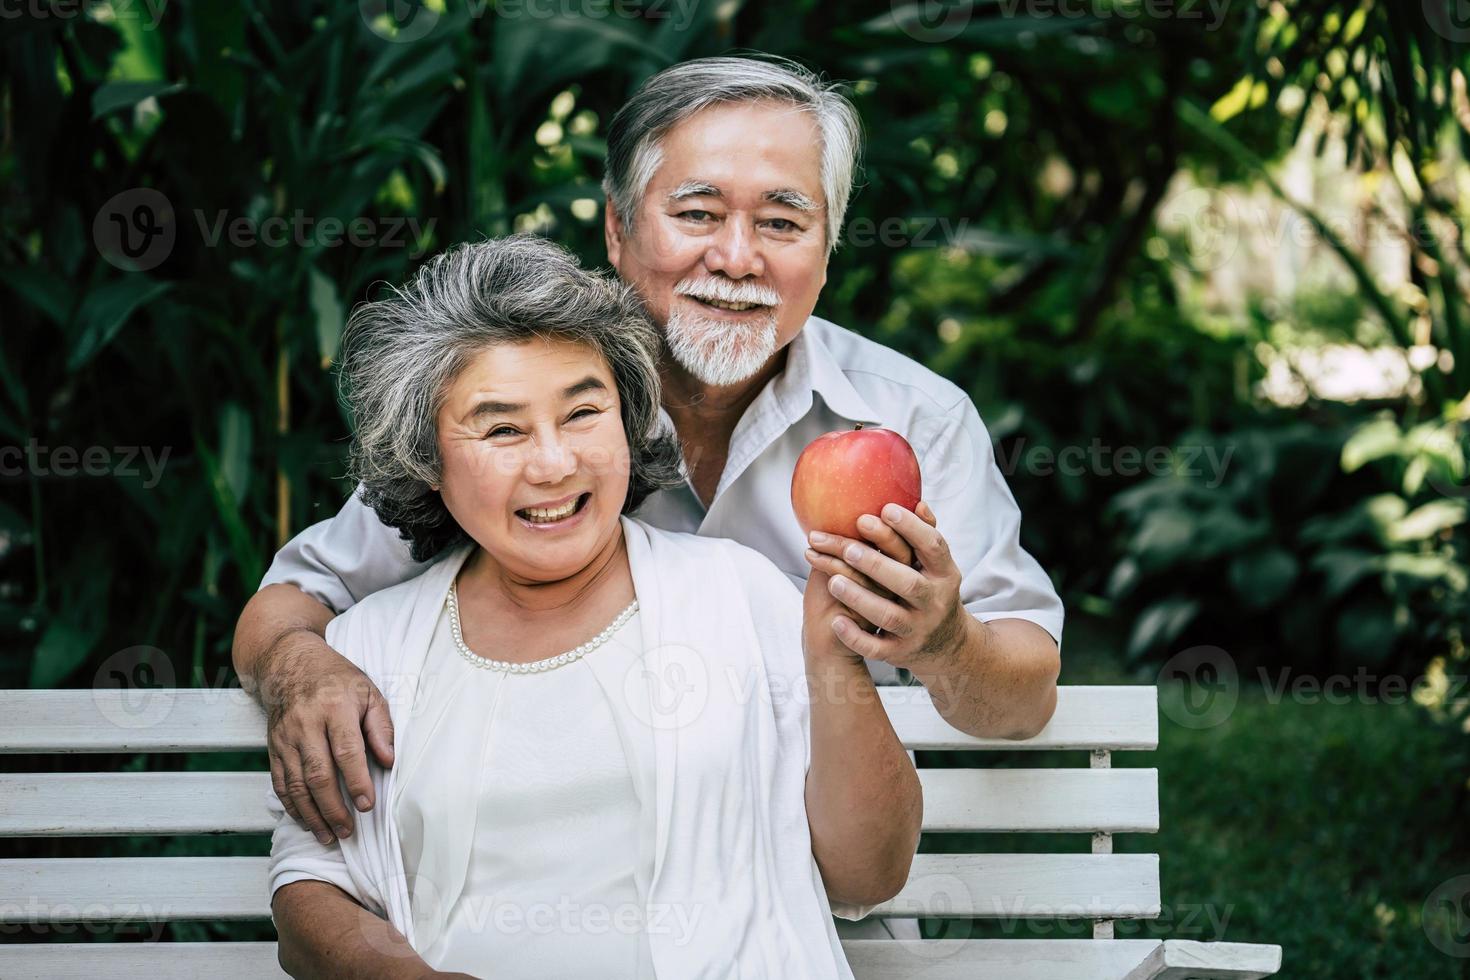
point(551, 887)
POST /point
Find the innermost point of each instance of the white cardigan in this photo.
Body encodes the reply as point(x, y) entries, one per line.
point(723, 687)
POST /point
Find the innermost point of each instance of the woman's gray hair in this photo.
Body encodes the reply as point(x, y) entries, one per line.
point(402, 352)
point(676, 93)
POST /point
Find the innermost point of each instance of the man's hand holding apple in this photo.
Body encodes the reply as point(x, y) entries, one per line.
point(866, 562)
point(916, 605)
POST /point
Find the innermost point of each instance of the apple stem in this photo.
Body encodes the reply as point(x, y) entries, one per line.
point(856, 426)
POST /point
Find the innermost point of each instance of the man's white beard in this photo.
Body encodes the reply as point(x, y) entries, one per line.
point(719, 353)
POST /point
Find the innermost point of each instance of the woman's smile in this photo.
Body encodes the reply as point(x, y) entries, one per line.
point(561, 518)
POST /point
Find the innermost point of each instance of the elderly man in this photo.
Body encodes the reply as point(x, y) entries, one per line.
point(727, 182)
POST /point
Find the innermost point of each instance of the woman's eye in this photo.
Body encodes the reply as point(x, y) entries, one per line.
point(500, 430)
point(584, 412)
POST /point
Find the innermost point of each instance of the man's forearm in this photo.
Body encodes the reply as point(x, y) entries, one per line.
point(864, 801)
point(272, 614)
point(999, 682)
point(324, 933)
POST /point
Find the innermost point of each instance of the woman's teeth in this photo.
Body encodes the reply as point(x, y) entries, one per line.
point(738, 307)
point(541, 516)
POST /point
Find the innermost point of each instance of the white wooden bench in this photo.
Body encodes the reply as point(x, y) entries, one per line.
point(1100, 886)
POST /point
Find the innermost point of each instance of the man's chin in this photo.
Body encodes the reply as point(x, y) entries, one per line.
point(714, 363)
point(718, 372)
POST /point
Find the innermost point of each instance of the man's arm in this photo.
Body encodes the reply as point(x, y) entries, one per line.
point(994, 680)
point(325, 933)
point(1000, 681)
point(320, 707)
point(976, 619)
point(864, 801)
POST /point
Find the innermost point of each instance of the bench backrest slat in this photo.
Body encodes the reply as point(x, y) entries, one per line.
point(955, 801)
point(991, 886)
point(214, 720)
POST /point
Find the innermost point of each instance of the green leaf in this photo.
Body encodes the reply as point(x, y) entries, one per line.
point(227, 508)
point(49, 294)
point(104, 312)
point(1345, 567)
point(234, 449)
point(124, 95)
point(326, 307)
point(1428, 568)
point(1234, 102)
point(1163, 538)
point(1261, 578)
point(1161, 624)
point(1122, 580)
point(63, 648)
point(1375, 440)
point(1428, 520)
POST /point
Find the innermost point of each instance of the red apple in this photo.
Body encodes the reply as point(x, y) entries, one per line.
point(841, 476)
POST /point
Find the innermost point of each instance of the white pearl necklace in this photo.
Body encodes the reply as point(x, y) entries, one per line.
point(535, 666)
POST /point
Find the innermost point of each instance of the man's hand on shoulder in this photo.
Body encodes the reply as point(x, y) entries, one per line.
point(319, 706)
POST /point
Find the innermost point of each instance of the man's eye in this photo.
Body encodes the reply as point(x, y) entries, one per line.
point(782, 224)
point(695, 215)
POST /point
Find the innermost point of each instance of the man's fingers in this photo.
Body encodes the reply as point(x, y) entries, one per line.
point(923, 535)
point(350, 755)
point(886, 539)
point(299, 795)
point(926, 514)
point(887, 616)
point(320, 772)
point(377, 725)
point(278, 783)
point(827, 567)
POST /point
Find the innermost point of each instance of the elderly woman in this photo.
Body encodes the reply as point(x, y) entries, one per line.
point(613, 745)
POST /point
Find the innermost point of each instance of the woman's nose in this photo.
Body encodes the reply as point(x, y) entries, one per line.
point(551, 459)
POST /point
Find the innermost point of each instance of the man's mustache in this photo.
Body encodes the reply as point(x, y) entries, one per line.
point(728, 291)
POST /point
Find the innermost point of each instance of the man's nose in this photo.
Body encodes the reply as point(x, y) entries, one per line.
point(736, 251)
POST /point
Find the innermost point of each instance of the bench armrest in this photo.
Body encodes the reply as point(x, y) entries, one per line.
point(1180, 959)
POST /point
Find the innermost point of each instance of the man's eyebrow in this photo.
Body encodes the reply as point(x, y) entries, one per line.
point(788, 196)
point(694, 188)
point(792, 199)
point(483, 408)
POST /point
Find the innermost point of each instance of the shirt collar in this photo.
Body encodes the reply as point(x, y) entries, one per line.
point(812, 368)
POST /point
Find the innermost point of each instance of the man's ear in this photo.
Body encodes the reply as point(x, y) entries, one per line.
point(612, 231)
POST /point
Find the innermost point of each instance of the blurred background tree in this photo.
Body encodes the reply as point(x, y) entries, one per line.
point(1202, 267)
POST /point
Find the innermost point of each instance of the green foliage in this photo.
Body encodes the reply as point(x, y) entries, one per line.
point(1327, 571)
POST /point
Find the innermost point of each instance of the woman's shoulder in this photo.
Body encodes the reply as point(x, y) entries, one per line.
point(379, 609)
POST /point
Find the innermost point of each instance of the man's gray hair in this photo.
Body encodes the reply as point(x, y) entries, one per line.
point(676, 93)
point(402, 353)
